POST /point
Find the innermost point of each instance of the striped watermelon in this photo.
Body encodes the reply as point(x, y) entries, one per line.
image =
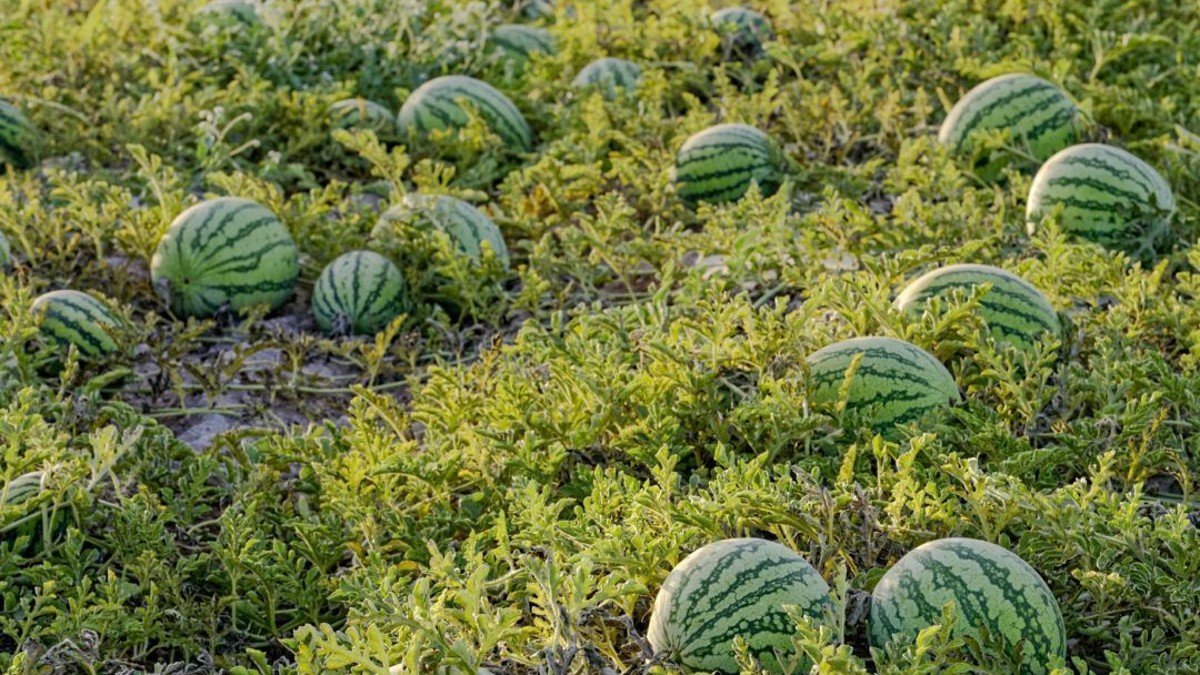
point(719, 164)
point(742, 30)
point(225, 252)
point(22, 488)
point(359, 113)
point(895, 383)
point(438, 104)
point(1107, 196)
point(609, 75)
point(990, 586)
point(731, 588)
point(468, 227)
point(360, 293)
point(80, 319)
point(519, 42)
point(1040, 117)
point(18, 138)
point(1016, 313)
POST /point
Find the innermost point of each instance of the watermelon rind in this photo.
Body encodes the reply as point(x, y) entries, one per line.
point(468, 227)
point(438, 104)
point(610, 75)
point(359, 113)
point(741, 29)
point(18, 138)
point(359, 293)
point(718, 164)
point(521, 42)
point(70, 317)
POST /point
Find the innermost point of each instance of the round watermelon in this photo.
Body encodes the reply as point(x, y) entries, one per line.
point(742, 30)
point(1039, 116)
point(990, 587)
point(79, 319)
point(18, 138)
point(1015, 312)
point(225, 252)
point(895, 383)
point(518, 43)
point(732, 588)
point(468, 227)
point(359, 113)
point(439, 104)
point(719, 164)
point(1107, 196)
point(610, 75)
point(360, 293)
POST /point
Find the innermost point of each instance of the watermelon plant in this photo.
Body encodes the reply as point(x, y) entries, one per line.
point(736, 588)
point(610, 75)
point(1104, 194)
point(1039, 118)
point(223, 253)
point(993, 591)
point(468, 227)
point(18, 138)
point(359, 293)
point(439, 104)
point(720, 163)
point(742, 30)
point(80, 319)
point(1016, 313)
point(359, 113)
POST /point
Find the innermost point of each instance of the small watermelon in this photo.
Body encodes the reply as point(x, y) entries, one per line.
point(23, 488)
point(225, 252)
point(360, 293)
point(989, 585)
point(80, 319)
point(467, 226)
point(517, 43)
point(742, 30)
point(359, 113)
point(732, 588)
point(231, 12)
point(1015, 312)
point(719, 164)
point(1107, 196)
point(609, 75)
point(896, 382)
point(1040, 117)
point(18, 138)
point(438, 104)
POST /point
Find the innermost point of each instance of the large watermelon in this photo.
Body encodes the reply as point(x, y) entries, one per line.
point(359, 292)
point(359, 113)
point(225, 252)
point(895, 383)
point(731, 588)
point(742, 30)
point(1015, 312)
point(77, 318)
point(609, 75)
point(1107, 196)
point(467, 226)
point(990, 586)
point(1040, 117)
point(18, 138)
point(519, 42)
point(719, 163)
point(438, 104)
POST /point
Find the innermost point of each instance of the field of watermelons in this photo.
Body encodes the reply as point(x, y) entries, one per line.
point(626, 337)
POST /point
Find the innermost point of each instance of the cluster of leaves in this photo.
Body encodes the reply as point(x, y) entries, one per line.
point(505, 486)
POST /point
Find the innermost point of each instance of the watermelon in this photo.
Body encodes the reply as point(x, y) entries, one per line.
point(5, 252)
point(1016, 313)
point(989, 585)
point(537, 9)
point(80, 319)
point(468, 227)
point(742, 30)
point(18, 138)
point(359, 292)
point(22, 488)
point(609, 75)
point(719, 163)
point(1040, 117)
point(1107, 195)
point(731, 588)
point(896, 382)
point(518, 43)
point(438, 104)
point(225, 252)
point(231, 11)
point(359, 113)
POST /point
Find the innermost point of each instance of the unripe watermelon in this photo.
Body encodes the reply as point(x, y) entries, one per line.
point(1107, 196)
point(359, 113)
point(77, 318)
point(609, 75)
point(359, 292)
point(18, 138)
point(990, 586)
point(225, 252)
point(1015, 312)
point(438, 104)
point(519, 42)
point(719, 164)
point(742, 30)
point(896, 382)
point(1040, 117)
point(731, 588)
point(467, 226)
